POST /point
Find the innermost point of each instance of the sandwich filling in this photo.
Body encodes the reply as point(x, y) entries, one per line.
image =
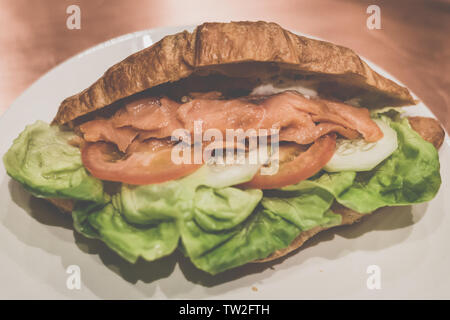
point(130, 194)
point(134, 145)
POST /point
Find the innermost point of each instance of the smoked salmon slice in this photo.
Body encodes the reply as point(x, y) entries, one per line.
point(299, 119)
point(104, 130)
point(149, 114)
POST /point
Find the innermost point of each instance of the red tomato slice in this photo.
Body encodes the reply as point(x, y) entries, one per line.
point(142, 167)
point(296, 165)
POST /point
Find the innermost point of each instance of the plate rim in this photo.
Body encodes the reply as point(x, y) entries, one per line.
point(133, 35)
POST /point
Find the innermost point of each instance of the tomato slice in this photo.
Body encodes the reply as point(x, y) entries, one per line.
point(153, 165)
point(296, 165)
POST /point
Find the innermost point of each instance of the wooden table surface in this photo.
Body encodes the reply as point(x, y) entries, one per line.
point(413, 42)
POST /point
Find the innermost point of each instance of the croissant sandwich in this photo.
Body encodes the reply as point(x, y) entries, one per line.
point(235, 143)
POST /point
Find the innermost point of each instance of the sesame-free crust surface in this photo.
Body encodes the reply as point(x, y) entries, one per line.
point(256, 50)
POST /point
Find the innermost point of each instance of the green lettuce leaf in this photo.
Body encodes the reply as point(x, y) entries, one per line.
point(334, 183)
point(80, 215)
point(259, 236)
point(153, 203)
point(307, 208)
point(130, 241)
point(43, 161)
point(213, 222)
point(225, 208)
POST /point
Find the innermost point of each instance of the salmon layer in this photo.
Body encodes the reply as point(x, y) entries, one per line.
point(297, 118)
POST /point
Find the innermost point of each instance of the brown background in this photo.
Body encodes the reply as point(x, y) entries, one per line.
point(413, 43)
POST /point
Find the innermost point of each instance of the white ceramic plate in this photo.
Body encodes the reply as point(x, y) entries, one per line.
point(410, 245)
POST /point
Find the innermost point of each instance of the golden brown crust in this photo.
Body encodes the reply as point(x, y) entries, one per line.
point(429, 129)
point(236, 49)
